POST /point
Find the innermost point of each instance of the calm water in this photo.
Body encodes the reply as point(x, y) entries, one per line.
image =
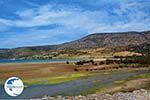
point(5, 61)
point(75, 87)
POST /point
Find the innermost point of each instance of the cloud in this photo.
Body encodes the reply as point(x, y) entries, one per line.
point(31, 3)
point(73, 21)
point(75, 17)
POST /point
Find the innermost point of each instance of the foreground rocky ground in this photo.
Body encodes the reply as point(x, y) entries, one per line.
point(141, 94)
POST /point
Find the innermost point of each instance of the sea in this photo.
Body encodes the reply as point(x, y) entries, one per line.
point(55, 60)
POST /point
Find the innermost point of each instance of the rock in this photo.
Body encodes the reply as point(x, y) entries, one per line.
point(60, 98)
point(92, 97)
point(141, 94)
point(80, 98)
point(124, 96)
point(45, 97)
point(51, 98)
point(105, 97)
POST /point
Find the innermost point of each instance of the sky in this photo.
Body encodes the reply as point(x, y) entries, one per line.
point(48, 22)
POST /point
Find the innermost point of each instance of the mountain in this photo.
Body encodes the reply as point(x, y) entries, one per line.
point(92, 41)
point(142, 48)
point(108, 40)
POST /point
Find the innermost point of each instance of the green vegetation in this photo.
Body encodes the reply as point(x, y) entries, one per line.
point(132, 65)
point(58, 79)
point(146, 75)
point(119, 81)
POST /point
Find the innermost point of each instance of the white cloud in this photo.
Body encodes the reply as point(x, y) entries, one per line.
point(49, 14)
point(31, 3)
point(128, 16)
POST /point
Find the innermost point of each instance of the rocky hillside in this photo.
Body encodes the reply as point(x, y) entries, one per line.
point(99, 40)
point(96, 40)
point(142, 48)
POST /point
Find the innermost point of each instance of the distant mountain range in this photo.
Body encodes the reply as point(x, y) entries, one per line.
point(92, 41)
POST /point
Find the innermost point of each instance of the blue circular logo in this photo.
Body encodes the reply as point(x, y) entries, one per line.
point(14, 86)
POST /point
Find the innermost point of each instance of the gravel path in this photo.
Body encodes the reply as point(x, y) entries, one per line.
point(141, 94)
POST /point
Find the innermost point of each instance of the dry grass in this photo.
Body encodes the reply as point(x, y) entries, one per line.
point(126, 53)
point(30, 71)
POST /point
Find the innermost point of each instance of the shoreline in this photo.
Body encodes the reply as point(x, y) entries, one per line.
point(33, 63)
point(39, 61)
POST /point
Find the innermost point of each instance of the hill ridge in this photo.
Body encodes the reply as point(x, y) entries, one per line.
point(91, 41)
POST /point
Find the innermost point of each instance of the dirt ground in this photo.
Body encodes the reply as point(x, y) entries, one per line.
point(27, 71)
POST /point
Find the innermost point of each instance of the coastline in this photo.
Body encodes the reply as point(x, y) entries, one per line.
point(38, 61)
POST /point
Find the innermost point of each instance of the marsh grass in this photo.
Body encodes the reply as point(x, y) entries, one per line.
point(146, 75)
point(58, 79)
point(120, 81)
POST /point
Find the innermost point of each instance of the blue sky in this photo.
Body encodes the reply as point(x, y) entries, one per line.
point(46, 22)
